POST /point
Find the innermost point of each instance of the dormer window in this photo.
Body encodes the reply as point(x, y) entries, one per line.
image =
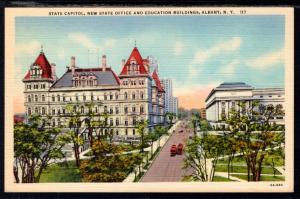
point(35, 71)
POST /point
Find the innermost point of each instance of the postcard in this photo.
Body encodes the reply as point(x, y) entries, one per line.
point(149, 99)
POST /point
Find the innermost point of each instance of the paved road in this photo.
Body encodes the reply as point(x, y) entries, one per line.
point(166, 168)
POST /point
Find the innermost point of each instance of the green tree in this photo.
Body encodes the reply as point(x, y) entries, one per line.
point(108, 163)
point(141, 127)
point(201, 155)
point(252, 128)
point(170, 118)
point(82, 117)
point(35, 146)
point(74, 123)
point(151, 138)
point(160, 131)
point(195, 121)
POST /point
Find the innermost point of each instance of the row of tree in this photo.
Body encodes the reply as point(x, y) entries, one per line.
point(251, 136)
point(36, 144)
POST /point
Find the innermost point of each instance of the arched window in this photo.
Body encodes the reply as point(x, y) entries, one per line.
point(126, 122)
point(110, 96)
point(53, 122)
point(141, 109)
point(36, 110)
point(133, 109)
point(133, 95)
point(43, 98)
point(29, 98)
point(125, 95)
point(134, 120)
point(117, 132)
point(53, 98)
point(117, 110)
point(29, 111)
point(58, 98)
point(36, 98)
point(116, 96)
point(43, 111)
point(111, 111)
point(117, 122)
point(141, 95)
point(125, 109)
point(111, 122)
point(82, 109)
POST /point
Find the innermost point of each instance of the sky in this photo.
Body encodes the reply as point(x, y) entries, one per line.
point(196, 52)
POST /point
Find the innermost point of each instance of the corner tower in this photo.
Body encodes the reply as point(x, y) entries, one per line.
point(38, 80)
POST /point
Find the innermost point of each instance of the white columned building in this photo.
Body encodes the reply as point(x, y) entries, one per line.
point(226, 96)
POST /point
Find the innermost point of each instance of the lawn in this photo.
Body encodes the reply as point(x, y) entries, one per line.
point(61, 172)
point(222, 179)
point(262, 178)
point(240, 160)
point(243, 169)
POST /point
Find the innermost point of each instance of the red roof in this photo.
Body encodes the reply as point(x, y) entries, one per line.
point(135, 54)
point(42, 61)
point(157, 81)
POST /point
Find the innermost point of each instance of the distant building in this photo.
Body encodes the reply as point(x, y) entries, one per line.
point(203, 113)
point(171, 102)
point(227, 95)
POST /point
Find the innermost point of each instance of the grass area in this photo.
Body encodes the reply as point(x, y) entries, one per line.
point(216, 179)
point(222, 179)
point(262, 178)
point(61, 172)
point(240, 160)
point(243, 169)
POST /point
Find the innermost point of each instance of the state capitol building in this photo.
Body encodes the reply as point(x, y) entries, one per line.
point(133, 95)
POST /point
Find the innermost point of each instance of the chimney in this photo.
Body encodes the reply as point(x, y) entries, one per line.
point(53, 71)
point(123, 62)
point(73, 65)
point(103, 62)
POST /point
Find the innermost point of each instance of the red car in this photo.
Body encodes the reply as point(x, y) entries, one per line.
point(173, 150)
point(179, 149)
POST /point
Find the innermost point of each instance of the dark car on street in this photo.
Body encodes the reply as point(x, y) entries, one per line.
point(173, 150)
point(179, 149)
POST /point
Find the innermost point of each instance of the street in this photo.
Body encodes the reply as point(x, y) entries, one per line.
point(167, 168)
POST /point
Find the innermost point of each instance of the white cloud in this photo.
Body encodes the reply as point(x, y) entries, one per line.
point(267, 60)
point(230, 68)
point(82, 39)
point(29, 48)
point(203, 55)
point(109, 43)
point(178, 47)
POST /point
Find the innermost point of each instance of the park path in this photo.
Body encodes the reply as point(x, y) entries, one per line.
point(167, 168)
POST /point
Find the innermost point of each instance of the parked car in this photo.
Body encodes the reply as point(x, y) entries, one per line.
point(179, 149)
point(173, 150)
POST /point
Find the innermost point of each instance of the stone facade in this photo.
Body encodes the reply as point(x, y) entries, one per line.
point(135, 94)
point(227, 95)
